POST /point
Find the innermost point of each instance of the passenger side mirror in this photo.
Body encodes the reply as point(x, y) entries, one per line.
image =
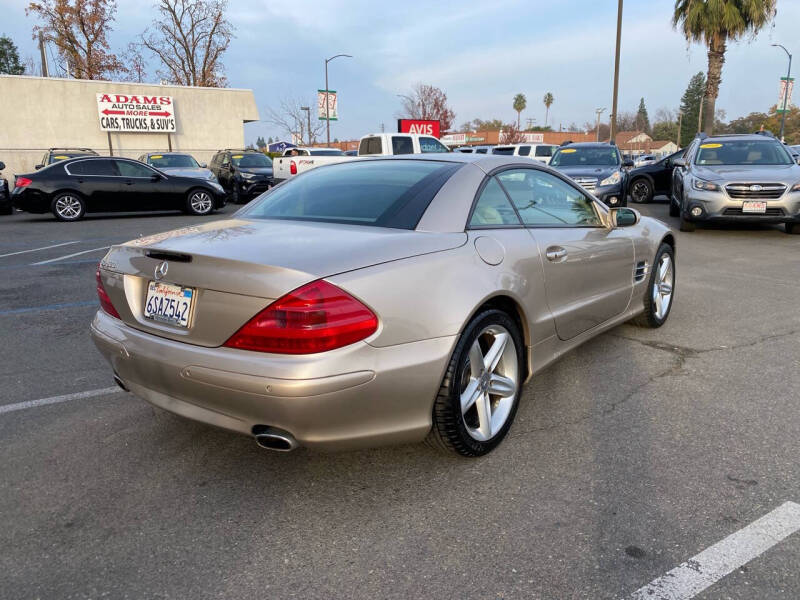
point(155, 177)
point(797, 161)
point(37, 167)
point(623, 217)
point(627, 163)
point(2, 165)
point(203, 165)
point(678, 162)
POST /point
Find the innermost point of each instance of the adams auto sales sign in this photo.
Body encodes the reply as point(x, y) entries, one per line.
point(143, 113)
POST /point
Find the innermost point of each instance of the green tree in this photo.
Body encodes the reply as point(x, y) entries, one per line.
point(548, 102)
point(491, 125)
point(665, 130)
point(690, 107)
point(270, 140)
point(714, 23)
point(520, 102)
point(642, 119)
point(260, 143)
point(9, 58)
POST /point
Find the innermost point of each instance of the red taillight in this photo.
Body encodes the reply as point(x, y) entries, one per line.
point(292, 167)
point(314, 318)
point(22, 182)
point(105, 301)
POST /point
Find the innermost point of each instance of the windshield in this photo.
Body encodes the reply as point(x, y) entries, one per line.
point(742, 152)
point(326, 153)
point(584, 157)
point(172, 161)
point(54, 158)
point(383, 193)
point(251, 159)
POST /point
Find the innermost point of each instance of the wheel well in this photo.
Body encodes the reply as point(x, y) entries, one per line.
point(66, 191)
point(642, 176)
point(512, 308)
point(669, 239)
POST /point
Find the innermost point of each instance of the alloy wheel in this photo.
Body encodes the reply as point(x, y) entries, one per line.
point(640, 191)
point(663, 286)
point(68, 207)
point(200, 202)
point(489, 383)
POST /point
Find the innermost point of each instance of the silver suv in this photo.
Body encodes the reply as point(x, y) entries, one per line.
point(741, 178)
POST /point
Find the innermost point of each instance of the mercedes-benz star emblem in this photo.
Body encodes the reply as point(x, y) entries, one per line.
point(161, 270)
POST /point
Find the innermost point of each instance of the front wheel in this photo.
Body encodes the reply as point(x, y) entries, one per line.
point(660, 289)
point(792, 228)
point(68, 206)
point(200, 203)
point(641, 191)
point(480, 392)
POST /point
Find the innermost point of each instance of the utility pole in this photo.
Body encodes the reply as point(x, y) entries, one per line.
point(680, 122)
point(599, 112)
point(616, 74)
point(43, 55)
point(327, 96)
point(785, 90)
point(308, 114)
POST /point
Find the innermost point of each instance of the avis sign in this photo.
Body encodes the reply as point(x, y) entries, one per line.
point(140, 112)
point(423, 126)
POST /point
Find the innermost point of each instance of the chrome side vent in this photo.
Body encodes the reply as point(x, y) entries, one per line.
point(641, 270)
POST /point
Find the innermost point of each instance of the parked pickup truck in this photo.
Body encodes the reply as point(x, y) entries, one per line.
point(298, 160)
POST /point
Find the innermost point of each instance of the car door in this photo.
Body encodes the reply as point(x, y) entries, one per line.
point(96, 179)
point(588, 268)
point(225, 175)
point(141, 188)
point(662, 176)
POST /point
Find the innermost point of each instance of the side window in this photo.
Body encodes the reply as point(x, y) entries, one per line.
point(402, 145)
point(225, 160)
point(544, 200)
point(429, 144)
point(97, 167)
point(493, 208)
point(131, 169)
point(370, 145)
point(544, 150)
point(524, 150)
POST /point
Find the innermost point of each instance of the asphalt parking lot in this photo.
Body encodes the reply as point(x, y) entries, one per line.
point(629, 457)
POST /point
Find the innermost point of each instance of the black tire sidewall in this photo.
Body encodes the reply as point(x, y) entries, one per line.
point(649, 196)
point(63, 219)
point(459, 360)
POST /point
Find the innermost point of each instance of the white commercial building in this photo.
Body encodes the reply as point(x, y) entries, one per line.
point(126, 119)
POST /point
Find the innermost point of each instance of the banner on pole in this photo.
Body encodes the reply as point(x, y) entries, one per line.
point(328, 96)
point(782, 97)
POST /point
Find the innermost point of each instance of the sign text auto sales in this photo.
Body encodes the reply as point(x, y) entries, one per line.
point(143, 113)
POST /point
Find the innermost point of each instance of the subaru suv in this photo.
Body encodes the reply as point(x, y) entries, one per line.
point(737, 178)
point(597, 167)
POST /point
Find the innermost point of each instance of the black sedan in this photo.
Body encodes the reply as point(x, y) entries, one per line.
point(71, 188)
point(5, 197)
point(653, 179)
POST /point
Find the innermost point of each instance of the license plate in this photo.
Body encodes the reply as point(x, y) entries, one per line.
point(754, 206)
point(168, 303)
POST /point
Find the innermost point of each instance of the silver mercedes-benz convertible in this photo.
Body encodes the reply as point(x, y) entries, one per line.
point(379, 301)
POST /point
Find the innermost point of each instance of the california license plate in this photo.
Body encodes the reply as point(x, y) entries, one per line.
point(169, 303)
point(753, 206)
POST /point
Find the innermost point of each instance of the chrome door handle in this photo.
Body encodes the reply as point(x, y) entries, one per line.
point(555, 253)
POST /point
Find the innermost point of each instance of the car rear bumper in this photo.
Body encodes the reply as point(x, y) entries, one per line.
point(357, 396)
point(32, 201)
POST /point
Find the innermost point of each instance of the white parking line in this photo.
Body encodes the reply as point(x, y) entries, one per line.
point(44, 262)
point(37, 249)
point(7, 408)
point(703, 570)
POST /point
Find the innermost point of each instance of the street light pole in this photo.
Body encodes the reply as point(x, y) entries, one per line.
point(616, 74)
point(327, 96)
point(599, 112)
point(785, 89)
point(308, 114)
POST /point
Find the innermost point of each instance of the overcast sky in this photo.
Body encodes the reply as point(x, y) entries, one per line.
point(481, 53)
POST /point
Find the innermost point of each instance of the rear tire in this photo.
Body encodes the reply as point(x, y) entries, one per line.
point(68, 206)
point(490, 396)
point(199, 203)
point(792, 228)
point(8, 210)
point(660, 292)
point(641, 191)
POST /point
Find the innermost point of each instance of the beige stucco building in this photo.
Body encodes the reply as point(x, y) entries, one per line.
point(37, 113)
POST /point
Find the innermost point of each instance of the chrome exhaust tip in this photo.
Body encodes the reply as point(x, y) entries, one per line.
point(119, 382)
point(274, 439)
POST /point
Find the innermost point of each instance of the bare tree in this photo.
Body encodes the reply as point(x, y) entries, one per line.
point(291, 119)
point(189, 37)
point(665, 115)
point(626, 121)
point(429, 102)
point(78, 28)
point(511, 134)
point(136, 67)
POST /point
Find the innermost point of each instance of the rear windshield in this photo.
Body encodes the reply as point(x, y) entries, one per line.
point(251, 159)
point(544, 150)
point(579, 157)
point(172, 161)
point(744, 152)
point(508, 150)
point(382, 193)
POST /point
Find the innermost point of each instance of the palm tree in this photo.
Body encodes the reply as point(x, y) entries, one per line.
point(714, 22)
point(520, 102)
point(548, 102)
